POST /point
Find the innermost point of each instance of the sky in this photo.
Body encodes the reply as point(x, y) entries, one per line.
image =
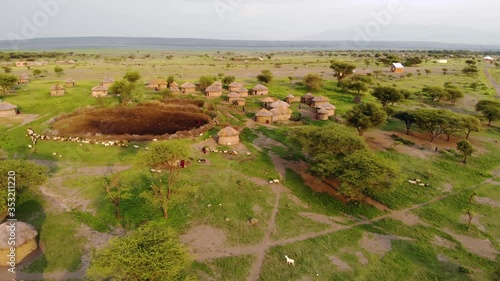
point(450, 21)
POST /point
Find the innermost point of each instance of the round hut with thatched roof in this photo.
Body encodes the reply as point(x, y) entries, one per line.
point(264, 116)
point(99, 91)
point(188, 88)
point(234, 86)
point(228, 136)
point(174, 84)
point(25, 241)
point(70, 83)
point(322, 114)
point(267, 101)
point(330, 108)
point(214, 90)
point(281, 114)
point(107, 82)
point(291, 99)
point(57, 90)
point(157, 84)
point(175, 90)
point(278, 104)
point(7, 109)
point(318, 101)
point(306, 98)
point(23, 79)
point(260, 90)
point(242, 92)
point(232, 97)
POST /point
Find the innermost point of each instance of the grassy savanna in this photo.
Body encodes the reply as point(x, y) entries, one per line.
point(328, 239)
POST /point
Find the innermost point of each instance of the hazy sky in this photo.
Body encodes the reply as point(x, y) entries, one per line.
point(456, 21)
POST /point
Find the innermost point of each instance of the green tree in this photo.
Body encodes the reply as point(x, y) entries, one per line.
point(451, 123)
point(465, 148)
point(407, 117)
point(116, 191)
point(412, 61)
point(357, 83)
point(470, 62)
point(430, 120)
point(453, 94)
point(265, 77)
point(7, 69)
point(7, 81)
point(228, 79)
point(387, 95)
point(165, 155)
point(36, 72)
point(427, 71)
point(58, 70)
point(470, 70)
point(469, 124)
point(365, 116)
point(124, 90)
point(489, 109)
point(342, 69)
point(170, 80)
point(132, 76)
point(205, 81)
point(435, 92)
point(152, 252)
point(313, 82)
point(445, 71)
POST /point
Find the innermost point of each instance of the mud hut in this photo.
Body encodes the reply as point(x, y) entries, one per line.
point(174, 84)
point(107, 82)
point(157, 84)
point(278, 104)
point(57, 90)
point(330, 108)
point(281, 114)
point(7, 109)
point(24, 79)
point(232, 97)
point(233, 87)
point(318, 101)
point(240, 102)
point(174, 90)
point(267, 101)
point(306, 98)
point(397, 67)
point(242, 92)
point(25, 241)
point(291, 99)
point(264, 116)
point(228, 136)
point(213, 90)
point(322, 114)
point(188, 88)
point(99, 91)
point(70, 83)
point(260, 90)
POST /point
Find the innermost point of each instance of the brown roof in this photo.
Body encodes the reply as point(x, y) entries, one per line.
point(108, 80)
point(328, 106)
point(267, 99)
point(213, 88)
point(228, 132)
point(260, 87)
point(279, 103)
point(217, 83)
point(308, 96)
point(174, 84)
point(281, 111)
point(70, 80)
point(319, 98)
point(242, 90)
point(263, 113)
point(99, 88)
point(157, 82)
point(188, 85)
point(174, 89)
point(235, 84)
point(290, 96)
point(7, 106)
point(24, 233)
point(233, 95)
point(56, 87)
point(323, 111)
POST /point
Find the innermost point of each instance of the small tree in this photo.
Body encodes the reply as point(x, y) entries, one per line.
point(58, 70)
point(132, 76)
point(470, 70)
point(407, 117)
point(427, 71)
point(490, 109)
point(7, 69)
point(387, 95)
point(465, 148)
point(123, 89)
point(435, 92)
point(36, 72)
point(342, 69)
point(454, 94)
point(365, 116)
point(445, 71)
point(469, 124)
point(313, 82)
point(116, 192)
point(470, 62)
point(205, 81)
point(228, 79)
point(170, 80)
point(265, 77)
point(7, 81)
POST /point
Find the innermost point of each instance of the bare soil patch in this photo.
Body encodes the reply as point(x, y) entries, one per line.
point(297, 201)
point(342, 265)
point(475, 221)
point(479, 247)
point(443, 242)
point(379, 244)
point(447, 187)
point(362, 259)
point(333, 221)
point(203, 239)
point(266, 142)
point(487, 201)
point(407, 217)
point(443, 258)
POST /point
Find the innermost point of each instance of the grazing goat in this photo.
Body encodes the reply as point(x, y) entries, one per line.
point(412, 182)
point(202, 161)
point(289, 261)
point(421, 184)
point(136, 146)
point(276, 181)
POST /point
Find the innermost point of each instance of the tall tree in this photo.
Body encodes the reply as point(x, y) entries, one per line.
point(357, 83)
point(152, 252)
point(454, 94)
point(407, 117)
point(124, 90)
point(469, 124)
point(7, 81)
point(58, 70)
point(132, 76)
point(228, 79)
point(313, 82)
point(490, 109)
point(430, 120)
point(387, 95)
point(465, 148)
point(342, 69)
point(116, 191)
point(435, 92)
point(165, 155)
point(205, 81)
point(365, 116)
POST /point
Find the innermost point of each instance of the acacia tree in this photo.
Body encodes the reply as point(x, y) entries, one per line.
point(465, 148)
point(165, 155)
point(313, 82)
point(357, 83)
point(152, 252)
point(132, 76)
point(342, 69)
point(58, 70)
point(265, 77)
point(365, 116)
point(454, 94)
point(451, 124)
point(469, 124)
point(205, 82)
point(435, 92)
point(124, 89)
point(36, 72)
point(470, 70)
point(7, 81)
point(430, 120)
point(387, 95)
point(116, 192)
point(407, 117)
point(489, 109)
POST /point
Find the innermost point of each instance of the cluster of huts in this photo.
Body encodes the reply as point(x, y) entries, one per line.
point(101, 90)
point(320, 104)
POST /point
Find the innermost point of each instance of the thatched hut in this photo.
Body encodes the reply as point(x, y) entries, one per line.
point(260, 90)
point(175, 84)
point(24, 79)
point(267, 101)
point(25, 241)
point(70, 83)
point(228, 136)
point(264, 116)
point(107, 82)
point(233, 87)
point(281, 114)
point(240, 102)
point(318, 101)
point(217, 83)
point(278, 104)
point(188, 88)
point(242, 92)
point(232, 97)
point(213, 90)
point(291, 99)
point(157, 84)
point(322, 114)
point(174, 90)
point(57, 90)
point(306, 98)
point(330, 108)
point(99, 91)
point(7, 109)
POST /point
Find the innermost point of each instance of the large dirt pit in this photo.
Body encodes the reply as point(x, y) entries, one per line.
point(147, 120)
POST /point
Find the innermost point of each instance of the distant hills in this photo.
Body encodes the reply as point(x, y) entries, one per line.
point(191, 43)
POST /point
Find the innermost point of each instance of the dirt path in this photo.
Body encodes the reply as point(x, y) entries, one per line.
point(28, 119)
point(492, 81)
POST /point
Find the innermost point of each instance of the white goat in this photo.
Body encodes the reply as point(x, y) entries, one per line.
point(289, 261)
point(276, 181)
point(412, 182)
point(421, 184)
